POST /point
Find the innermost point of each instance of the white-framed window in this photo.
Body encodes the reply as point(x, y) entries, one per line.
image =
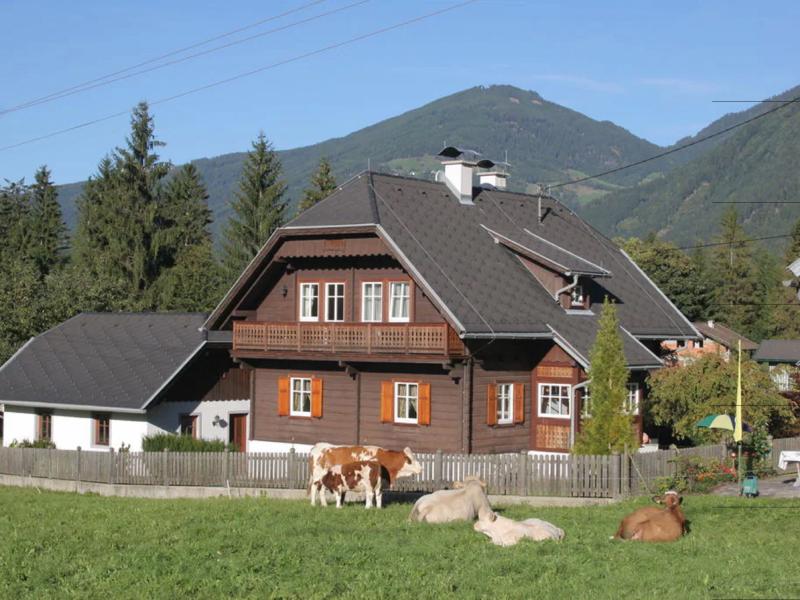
point(300, 399)
point(554, 400)
point(372, 302)
point(632, 401)
point(586, 403)
point(309, 302)
point(576, 296)
point(505, 403)
point(399, 301)
point(406, 401)
point(681, 343)
point(334, 302)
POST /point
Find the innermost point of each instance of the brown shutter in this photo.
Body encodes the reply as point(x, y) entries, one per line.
point(519, 402)
point(424, 404)
point(387, 402)
point(491, 404)
point(283, 396)
point(316, 397)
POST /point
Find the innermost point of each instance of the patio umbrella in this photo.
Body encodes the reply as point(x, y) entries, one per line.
point(721, 422)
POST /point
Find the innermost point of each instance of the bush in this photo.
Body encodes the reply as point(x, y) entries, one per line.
point(33, 444)
point(696, 475)
point(180, 443)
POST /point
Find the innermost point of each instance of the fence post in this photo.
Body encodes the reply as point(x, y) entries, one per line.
point(164, 474)
point(110, 465)
point(615, 475)
point(522, 473)
point(227, 466)
point(78, 469)
point(290, 470)
point(437, 470)
point(626, 473)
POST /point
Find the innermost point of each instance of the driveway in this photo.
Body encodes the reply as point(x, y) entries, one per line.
point(780, 486)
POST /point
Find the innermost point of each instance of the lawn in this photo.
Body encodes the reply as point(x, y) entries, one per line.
point(65, 545)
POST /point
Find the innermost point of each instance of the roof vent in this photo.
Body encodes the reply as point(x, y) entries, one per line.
point(459, 169)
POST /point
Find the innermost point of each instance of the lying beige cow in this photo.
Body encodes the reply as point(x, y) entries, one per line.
point(460, 504)
point(507, 532)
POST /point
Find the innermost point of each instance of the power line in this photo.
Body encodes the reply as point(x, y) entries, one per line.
point(192, 56)
point(736, 243)
point(677, 149)
point(757, 101)
point(233, 78)
point(38, 100)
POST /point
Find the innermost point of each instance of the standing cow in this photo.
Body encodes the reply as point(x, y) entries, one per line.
point(323, 457)
point(365, 476)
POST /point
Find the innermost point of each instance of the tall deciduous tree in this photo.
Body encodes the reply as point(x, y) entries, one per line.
point(258, 209)
point(609, 429)
point(48, 233)
point(323, 183)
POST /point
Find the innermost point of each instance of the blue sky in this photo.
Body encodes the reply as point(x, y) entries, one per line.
point(651, 67)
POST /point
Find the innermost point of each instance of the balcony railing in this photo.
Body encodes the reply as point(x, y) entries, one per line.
point(357, 338)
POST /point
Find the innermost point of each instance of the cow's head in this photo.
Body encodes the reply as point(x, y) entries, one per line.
point(486, 517)
point(670, 499)
point(469, 479)
point(411, 465)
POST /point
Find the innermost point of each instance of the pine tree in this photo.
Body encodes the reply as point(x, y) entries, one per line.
point(47, 229)
point(608, 429)
point(323, 184)
point(258, 208)
point(15, 219)
point(734, 276)
point(185, 213)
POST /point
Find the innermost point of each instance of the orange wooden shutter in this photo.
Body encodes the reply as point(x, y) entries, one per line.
point(519, 402)
point(283, 396)
point(424, 405)
point(316, 397)
point(491, 404)
point(387, 402)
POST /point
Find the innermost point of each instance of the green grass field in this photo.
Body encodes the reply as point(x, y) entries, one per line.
point(65, 545)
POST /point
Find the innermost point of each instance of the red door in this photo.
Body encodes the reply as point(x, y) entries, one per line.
point(237, 435)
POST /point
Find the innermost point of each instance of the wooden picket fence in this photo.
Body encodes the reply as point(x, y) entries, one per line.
point(520, 473)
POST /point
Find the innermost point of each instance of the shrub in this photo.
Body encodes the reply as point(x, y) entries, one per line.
point(695, 474)
point(180, 443)
point(32, 444)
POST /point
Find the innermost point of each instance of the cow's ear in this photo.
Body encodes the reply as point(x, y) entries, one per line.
point(457, 485)
point(657, 499)
point(493, 517)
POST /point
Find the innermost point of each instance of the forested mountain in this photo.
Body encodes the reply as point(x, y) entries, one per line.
point(758, 163)
point(546, 142)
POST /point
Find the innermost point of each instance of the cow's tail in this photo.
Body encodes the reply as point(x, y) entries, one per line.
point(310, 474)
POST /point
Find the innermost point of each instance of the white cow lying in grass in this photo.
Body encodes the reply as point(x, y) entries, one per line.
point(460, 504)
point(507, 532)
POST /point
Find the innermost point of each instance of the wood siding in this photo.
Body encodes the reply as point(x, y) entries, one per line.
point(549, 433)
point(211, 376)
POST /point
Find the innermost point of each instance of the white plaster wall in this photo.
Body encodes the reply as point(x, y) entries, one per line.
point(262, 446)
point(73, 428)
point(19, 423)
point(165, 417)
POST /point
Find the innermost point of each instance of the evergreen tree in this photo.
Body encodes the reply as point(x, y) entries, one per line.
point(194, 284)
point(323, 184)
point(15, 218)
point(734, 275)
point(185, 213)
point(258, 208)
point(47, 229)
point(608, 429)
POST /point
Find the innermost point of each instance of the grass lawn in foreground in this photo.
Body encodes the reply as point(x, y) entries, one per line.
point(62, 545)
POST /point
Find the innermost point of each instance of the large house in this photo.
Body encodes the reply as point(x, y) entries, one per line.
point(716, 338)
point(436, 315)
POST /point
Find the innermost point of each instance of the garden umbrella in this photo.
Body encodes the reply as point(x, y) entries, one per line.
point(721, 422)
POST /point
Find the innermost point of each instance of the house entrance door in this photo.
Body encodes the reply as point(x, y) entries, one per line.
point(237, 432)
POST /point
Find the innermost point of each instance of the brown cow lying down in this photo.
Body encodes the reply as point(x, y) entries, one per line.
point(655, 524)
point(507, 532)
point(460, 504)
point(322, 457)
point(362, 476)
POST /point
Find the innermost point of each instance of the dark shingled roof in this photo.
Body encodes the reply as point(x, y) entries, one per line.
point(724, 335)
point(104, 360)
point(479, 281)
point(779, 351)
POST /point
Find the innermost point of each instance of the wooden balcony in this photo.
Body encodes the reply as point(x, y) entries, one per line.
point(436, 339)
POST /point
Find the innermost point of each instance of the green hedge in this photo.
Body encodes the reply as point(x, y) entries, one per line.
point(33, 444)
point(181, 443)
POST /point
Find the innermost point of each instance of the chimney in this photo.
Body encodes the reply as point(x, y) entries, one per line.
point(458, 177)
point(711, 323)
point(494, 178)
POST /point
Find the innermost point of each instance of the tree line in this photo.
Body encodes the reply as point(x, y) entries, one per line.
point(142, 241)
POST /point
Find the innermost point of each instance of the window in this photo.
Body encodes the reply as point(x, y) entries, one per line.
point(372, 302)
point(576, 296)
point(309, 301)
point(406, 397)
point(554, 400)
point(44, 430)
point(300, 397)
point(505, 403)
point(334, 302)
point(681, 343)
point(102, 430)
point(632, 401)
point(189, 425)
point(586, 403)
point(399, 292)
point(698, 343)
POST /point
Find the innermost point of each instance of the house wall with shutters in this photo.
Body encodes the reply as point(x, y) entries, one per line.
point(552, 434)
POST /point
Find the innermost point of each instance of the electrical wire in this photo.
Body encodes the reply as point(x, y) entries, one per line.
point(735, 243)
point(250, 73)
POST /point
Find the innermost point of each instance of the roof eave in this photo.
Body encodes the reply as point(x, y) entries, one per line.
point(61, 405)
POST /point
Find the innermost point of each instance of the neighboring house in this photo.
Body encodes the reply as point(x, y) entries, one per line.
point(404, 312)
point(105, 380)
point(794, 281)
point(782, 358)
point(716, 339)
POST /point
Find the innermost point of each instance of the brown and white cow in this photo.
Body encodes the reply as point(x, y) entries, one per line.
point(365, 476)
point(322, 457)
point(653, 523)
